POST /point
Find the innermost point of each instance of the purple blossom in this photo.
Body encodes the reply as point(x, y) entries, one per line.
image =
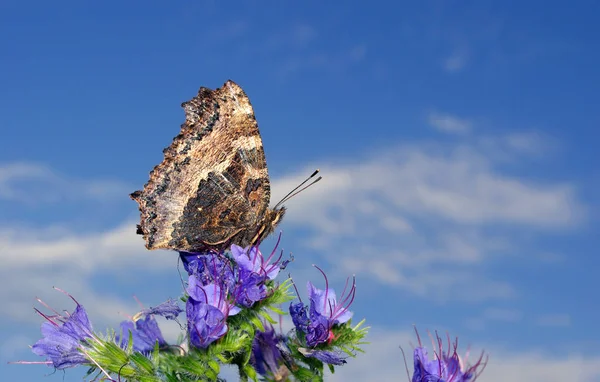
point(211, 294)
point(249, 289)
point(330, 357)
point(446, 365)
point(253, 272)
point(209, 267)
point(325, 304)
point(324, 312)
point(267, 357)
point(251, 260)
point(316, 329)
point(64, 338)
point(192, 261)
point(168, 309)
point(207, 310)
point(299, 316)
point(206, 323)
point(216, 284)
point(144, 333)
point(319, 329)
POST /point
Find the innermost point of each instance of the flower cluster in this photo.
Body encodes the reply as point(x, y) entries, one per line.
point(446, 366)
point(220, 286)
point(315, 323)
point(144, 330)
point(229, 301)
point(65, 338)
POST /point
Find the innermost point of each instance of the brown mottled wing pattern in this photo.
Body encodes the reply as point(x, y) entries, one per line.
point(212, 186)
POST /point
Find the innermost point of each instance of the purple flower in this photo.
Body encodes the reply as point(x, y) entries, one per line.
point(324, 303)
point(206, 323)
point(299, 316)
point(253, 272)
point(251, 260)
point(249, 289)
point(64, 338)
point(212, 294)
point(168, 309)
point(192, 262)
point(446, 365)
point(319, 329)
point(330, 357)
point(267, 357)
point(207, 310)
point(324, 312)
point(144, 333)
point(209, 267)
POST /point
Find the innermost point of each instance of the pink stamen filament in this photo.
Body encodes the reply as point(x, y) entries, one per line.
point(345, 287)
point(345, 304)
point(418, 337)
point(275, 248)
point(271, 266)
point(295, 287)
point(48, 306)
point(326, 287)
point(48, 318)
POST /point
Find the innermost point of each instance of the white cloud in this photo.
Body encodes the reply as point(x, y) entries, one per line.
point(503, 314)
point(517, 145)
point(60, 246)
point(34, 183)
point(36, 259)
point(457, 185)
point(528, 142)
point(425, 212)
point(448, 123)
point(554, 320)
point(326, 61)
point(456, 61)
point(303, 34)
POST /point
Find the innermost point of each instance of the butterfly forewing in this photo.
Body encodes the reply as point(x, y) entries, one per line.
point(212, 188)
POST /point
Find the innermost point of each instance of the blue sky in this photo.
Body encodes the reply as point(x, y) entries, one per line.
point(456, 140)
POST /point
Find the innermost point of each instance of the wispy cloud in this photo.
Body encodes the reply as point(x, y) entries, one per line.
point(518, 145)
point(329, 61)
point(69, 259)
point(554, 320)
point(34, 183)
point(295, 50)
point(503, 314)
point(303, 34)
point(456, 61)
point(529, 142)
point(448, 123)
point(459, 185)
point(426, 211)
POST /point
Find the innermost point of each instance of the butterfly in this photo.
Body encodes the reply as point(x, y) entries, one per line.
point(212, 189)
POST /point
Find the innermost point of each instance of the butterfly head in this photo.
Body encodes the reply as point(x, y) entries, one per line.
point(267, 225)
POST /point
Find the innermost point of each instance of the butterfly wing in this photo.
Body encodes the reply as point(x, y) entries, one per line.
point(213, 183)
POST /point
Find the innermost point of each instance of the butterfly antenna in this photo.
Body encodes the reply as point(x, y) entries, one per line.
point(302, 189)
point(299, 188)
